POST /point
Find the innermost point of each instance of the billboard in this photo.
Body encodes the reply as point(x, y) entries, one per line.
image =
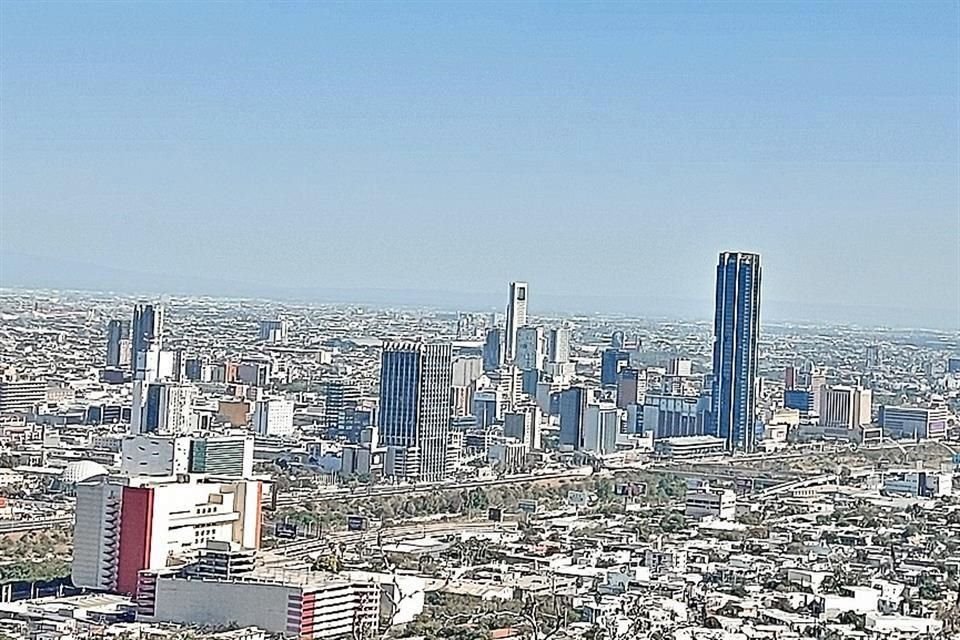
point(528, 506)
point(285, 531)
point(356, 523)
point(577, 498)
point(495, 514)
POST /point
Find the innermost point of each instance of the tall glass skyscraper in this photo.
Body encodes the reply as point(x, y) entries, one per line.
point(735, 335)
point(415, 380)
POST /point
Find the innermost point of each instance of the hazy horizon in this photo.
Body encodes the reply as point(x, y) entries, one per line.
point(605, 153)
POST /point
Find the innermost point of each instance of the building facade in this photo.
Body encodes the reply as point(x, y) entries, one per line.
point(516, 318)
point(736, 330)
point(415, 382)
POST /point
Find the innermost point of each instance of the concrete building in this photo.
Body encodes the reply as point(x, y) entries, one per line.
point(516, 318)
point(125, 525)
point(314, 606)
point(673, 416)
point(273, 417)
point(523, 424)
point(846, 407)
point(168, 409)
point(601, 425)
point(705, 501)
point(558, 348)
point(21, 395)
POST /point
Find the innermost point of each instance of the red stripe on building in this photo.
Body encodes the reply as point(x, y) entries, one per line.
point(136, 524)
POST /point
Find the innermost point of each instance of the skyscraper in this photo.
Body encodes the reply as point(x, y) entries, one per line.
point(146, 340)
point(516, 317)
point(559, 347)
point(735, 336)
point(531, 348)
point(493, 350)
point(146, 331)
point(572, 404)
point(117, 332)
point(415, 379)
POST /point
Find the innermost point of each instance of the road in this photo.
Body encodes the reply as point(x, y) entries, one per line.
point(19, 526)
point(301, 548)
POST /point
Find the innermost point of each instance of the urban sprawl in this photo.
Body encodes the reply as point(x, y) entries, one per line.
point(200, 468)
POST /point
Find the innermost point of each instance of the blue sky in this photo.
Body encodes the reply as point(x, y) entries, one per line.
point(593, 149)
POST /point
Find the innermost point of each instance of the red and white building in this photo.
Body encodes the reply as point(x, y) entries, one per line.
point(126, 525)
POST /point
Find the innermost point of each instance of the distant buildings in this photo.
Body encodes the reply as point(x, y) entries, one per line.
point(415, 381)
point(273, 331)
point(516, 318)
point(118, 343)
point(736, 334)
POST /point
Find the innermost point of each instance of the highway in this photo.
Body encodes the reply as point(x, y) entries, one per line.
point(19, 526)
point(301, 548)
point(346, 493)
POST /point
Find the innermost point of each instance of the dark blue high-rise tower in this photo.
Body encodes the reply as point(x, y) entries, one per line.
point(735, 335)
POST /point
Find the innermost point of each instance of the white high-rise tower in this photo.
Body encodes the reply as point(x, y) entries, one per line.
point(516, 318)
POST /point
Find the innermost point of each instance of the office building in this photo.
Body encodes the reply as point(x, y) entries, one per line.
point(415, 381)
point(168, 409)
point(226, 456)
point(531, 348)
point(21, 395)
point(126, 525)
point(523, 424)
point(493, 350)
point(846, 407)
point(516, 318)
point(679, 367)
point(601, 424)
point(341, 398)
point(466, 370)
point(118, 335)
point(913, 423)
point(572, 404)
point(790, 378)
point(146, 330)
point(286, 603)
point(735, 336)
point(612, 361)
point(673, 416)
point(628, 387)
point(558, 348)
point(272, 417)
point(799, 399)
